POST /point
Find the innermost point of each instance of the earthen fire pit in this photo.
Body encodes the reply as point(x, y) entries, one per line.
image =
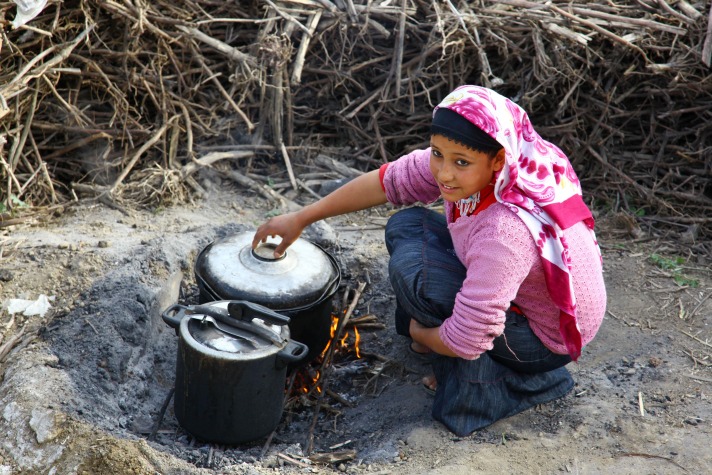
point(85, 389)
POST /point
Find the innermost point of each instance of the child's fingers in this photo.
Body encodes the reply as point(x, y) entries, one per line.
point(282, 247)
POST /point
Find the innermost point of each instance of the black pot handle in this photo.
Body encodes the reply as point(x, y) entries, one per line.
point(294, 351)
point(223, 315)
point(246, 311)
point(173, 315)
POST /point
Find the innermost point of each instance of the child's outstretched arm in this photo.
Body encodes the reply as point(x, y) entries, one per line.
point(360, 193)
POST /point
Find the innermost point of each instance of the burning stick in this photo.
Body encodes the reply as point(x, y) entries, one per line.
point(368, 318)
point(369, 326)
point(337, 335)
point(366, 322)
point(325, 365)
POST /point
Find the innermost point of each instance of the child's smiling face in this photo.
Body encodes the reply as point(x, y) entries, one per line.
point(461, 171)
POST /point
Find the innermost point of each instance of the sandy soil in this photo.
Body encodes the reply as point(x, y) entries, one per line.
point(83, 386)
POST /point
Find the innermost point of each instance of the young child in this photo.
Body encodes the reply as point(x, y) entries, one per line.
point(506, 287)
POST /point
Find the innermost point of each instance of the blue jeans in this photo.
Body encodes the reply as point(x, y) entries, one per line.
point(518, 373)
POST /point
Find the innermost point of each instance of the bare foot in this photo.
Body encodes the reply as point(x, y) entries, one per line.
point(430, 382)
point(419, 348)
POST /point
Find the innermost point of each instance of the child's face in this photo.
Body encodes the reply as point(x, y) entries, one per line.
point(460, 171)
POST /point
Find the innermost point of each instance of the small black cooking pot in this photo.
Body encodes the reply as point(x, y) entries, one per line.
point(300, 284)
point(231, 369)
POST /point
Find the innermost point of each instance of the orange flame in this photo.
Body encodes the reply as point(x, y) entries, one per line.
point(332, 332)
point(315, 381)
point(308, 378)
point(357, 340)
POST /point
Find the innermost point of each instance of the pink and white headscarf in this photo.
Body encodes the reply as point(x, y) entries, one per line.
point(539, 185)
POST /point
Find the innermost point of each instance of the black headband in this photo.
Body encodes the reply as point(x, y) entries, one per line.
point(452, 125)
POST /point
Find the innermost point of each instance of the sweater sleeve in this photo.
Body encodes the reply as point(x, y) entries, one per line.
point(498, 254)
point(408, 180)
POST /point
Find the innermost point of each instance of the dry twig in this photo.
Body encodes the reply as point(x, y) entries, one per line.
point(625, 91)
point(324, 370)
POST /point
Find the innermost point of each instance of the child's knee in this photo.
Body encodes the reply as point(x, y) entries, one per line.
point(405, 224)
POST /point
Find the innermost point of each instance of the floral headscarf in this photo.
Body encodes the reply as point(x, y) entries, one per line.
point(539, 185)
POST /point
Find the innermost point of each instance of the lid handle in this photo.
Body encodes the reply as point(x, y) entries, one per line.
point(246, 311)
point(265, 252)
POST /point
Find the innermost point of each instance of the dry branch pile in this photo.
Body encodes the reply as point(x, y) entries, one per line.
point(126, 99)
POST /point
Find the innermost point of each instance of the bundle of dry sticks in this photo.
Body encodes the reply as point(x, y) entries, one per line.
point(127, 99)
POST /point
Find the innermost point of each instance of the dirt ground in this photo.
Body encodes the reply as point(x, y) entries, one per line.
point(83, 385)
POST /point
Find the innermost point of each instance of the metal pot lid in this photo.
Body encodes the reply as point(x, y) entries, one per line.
point(215, 335)
point(231, 269)
point(253, 340)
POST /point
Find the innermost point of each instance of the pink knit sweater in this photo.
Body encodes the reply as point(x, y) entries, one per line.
point(503, 266)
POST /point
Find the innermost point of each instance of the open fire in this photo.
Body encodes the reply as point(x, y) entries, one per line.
point(307, 379)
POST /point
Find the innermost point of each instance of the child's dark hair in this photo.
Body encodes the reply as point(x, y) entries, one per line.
point(452, 125)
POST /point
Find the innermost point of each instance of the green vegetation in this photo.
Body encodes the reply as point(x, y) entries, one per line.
point(674, 267)
point(16, 203)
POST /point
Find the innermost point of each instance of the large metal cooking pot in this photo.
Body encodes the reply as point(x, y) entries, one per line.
point(300, 284)
point(231, 369)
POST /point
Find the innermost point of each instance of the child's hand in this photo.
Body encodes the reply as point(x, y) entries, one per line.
point(287, 226)
point(415, 325)
point(429, 337)
point(416, 333)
